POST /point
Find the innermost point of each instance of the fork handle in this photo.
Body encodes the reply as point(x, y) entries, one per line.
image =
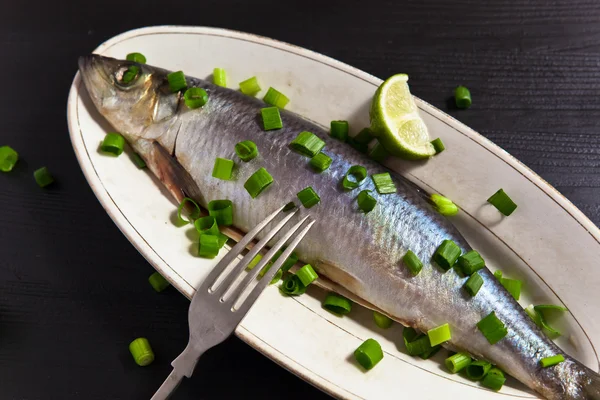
point(183, 365)
point(168, 387)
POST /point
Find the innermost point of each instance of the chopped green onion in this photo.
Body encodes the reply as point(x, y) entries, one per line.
point(307, 275)
point(383, 183)
point(209, 246)
point(478, 369)
point(136, 57)
point(258, 182)
point(307, 143)
point(43, 177)
point(177, 81)
point(158, 282)
point(289, 206)
point(473, 284)
point(337, 304)
point(193, 215)
point(339, 130)
point(113, 143)
point(439, 334)
point(494, 379)
point(254, 261)
point(412, 262)
point(271, 118)
point(219, 77)
point(512, 286)
point(308, 197)
point(502, 202)
point(320, 162)
point(250, 86)
point(446, 254)
point(275, 98)
point(553, 360)
point(416, 343)
point(368, 354)
point(382, 321)
point(277, 277)
point(462, 96)
point(470, 262)
point(141, 351)
point(438, 145)
point(363, 137)
point(292, 286)
point(366, 202)
point(492, 328)
point(540, 314)
point(222, 239)
point(430, 353)
point(378, 153)
point(207, 225)
point(8, 158)
point(289, 263)
point(458, 362)
point(223, 169)
point(550, 307)
point(138, 161)
point(354, 177)
point(246, 150)
point(130, 75)
point(222, 210)
point(195, 97)
point(498, 275)
point(363, 148)
point(444, 205)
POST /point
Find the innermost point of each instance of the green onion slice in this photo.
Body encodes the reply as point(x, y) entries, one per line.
point(339, 130)
point(136, 57)
point(195, 97)
point(113, 143)
point(444, 205)
point(416, 343)
point(222, 210)
point(292, 286)
point(254, 261)
point(275, 98)
point(458, 362)
point(250, 86)
point(494, 379)
point(366, 202)
point(438, 145)
point(271, 118)
point(354, 177)
point(320, 162)
point(277, 277)
point(430, 353)
point(470, 262)
point(513, 286)
point(141, 351)
point(439, 334)
point(138, 161)
point(462, 96)
point(257, 182)
point(540, 315)
point(8, 158)
point(473, 284)
point(446, 254)
point(308, 197)
point(412, 262)
point(207, 225)
point(478, 369)
point(383, 183)
point(502, 202)
point(378, 153)
point(307, 275)
point(492, 328)
point(368, 354)
point(246, 150)
point(130, 75)
point(223, 169)
point(553, 360)
point(219, 77)
point(289, 206)
point(158, 282)
point(43, 177)
point(363, 137)
point(176, 81)
point(307, 143)
point(382, 321)
point(195, 214)
point(209, 246)
point(363, 148)
point(337, 304)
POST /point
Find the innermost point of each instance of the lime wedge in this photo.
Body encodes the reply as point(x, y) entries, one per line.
point(396, 122)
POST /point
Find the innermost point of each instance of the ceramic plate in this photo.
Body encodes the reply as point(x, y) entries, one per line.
point(547, 242)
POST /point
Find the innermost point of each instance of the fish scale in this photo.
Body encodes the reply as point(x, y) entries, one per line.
point(361, 252)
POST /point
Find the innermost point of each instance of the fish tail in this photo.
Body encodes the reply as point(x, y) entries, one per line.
point(590, 384)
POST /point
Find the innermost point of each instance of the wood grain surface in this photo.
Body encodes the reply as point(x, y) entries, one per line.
point(73, 291)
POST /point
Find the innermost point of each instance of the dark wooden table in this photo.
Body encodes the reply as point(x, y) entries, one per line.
point(73, 291)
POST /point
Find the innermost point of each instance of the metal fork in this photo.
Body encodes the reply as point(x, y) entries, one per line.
point(215, 310)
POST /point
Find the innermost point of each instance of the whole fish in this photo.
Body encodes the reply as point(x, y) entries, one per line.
point(361, 252)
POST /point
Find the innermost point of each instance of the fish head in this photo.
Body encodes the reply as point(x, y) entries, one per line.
point(131, 96)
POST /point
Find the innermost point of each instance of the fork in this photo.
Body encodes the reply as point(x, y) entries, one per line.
point(218, 307)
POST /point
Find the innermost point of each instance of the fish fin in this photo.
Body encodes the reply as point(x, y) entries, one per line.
point(590, 384)
point(171, 173)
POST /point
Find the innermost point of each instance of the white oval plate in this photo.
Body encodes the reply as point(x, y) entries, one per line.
point(547, 242)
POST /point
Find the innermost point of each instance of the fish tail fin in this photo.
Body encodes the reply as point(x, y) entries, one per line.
point(590, 384)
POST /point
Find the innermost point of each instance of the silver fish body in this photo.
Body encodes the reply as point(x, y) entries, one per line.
point(361, 252)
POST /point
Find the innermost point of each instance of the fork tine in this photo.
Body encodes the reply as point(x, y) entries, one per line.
point(260, 286)
point(237, 291)
point(236, 251)
point(243, 263)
